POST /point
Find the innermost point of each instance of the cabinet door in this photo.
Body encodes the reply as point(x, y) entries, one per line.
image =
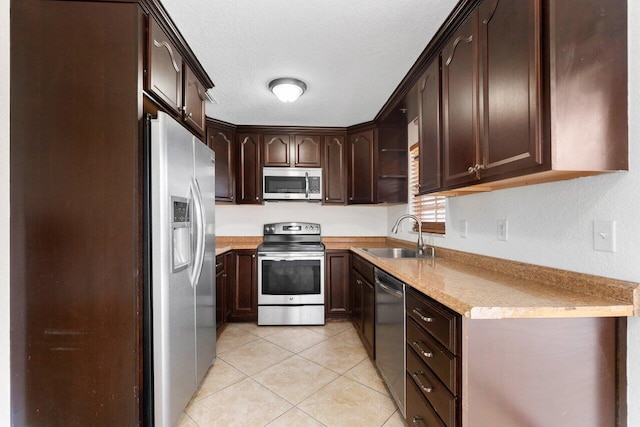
point(249, 176)
point(510, 73)
point(245, 289)
point(361, 167)
point(230, 280)
point(334, 170)
point(220, 288)
point(460, 104)
point(306, 151)
point(356, 300)
point(368, 317)
point(276, 150)
point(337, 284)
point(164, 67)
point(193, 111)
point(429, 122)
point(221, 141)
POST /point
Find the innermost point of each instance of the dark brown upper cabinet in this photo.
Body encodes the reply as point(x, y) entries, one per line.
point(429, 128)
point(277, 149)
point(164, 68)
point(510, 72)
point(392, 163)
point(334, 170)
point(491, 105)
point(361, 157)
point(459, 104)
point(221, 139)
point(172, 82)
point(291, 150)
point(306, 151)
point(249, 177)
point(194, 97)
point(516, 105)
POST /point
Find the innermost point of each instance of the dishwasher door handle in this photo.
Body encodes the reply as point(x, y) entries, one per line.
point(389, 290)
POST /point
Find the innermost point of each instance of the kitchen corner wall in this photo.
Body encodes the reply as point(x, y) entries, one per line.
point(552, 224)
point(5, 409)
point(247, 220)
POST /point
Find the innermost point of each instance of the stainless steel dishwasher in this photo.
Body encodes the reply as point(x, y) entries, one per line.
point(390, 334)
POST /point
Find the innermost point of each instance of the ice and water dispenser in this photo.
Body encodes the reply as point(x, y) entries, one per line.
point(180, 234)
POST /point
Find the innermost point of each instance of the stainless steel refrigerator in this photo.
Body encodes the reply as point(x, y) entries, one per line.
point(180, 316)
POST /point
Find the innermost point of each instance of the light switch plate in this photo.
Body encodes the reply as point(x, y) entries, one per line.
point(463, 228)
point(502, 229)
point(604, 235)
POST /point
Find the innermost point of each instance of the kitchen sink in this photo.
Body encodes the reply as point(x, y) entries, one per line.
point(394, 253)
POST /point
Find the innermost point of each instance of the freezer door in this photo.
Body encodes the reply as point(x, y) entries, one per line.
point(173, 307)
point(204, 174)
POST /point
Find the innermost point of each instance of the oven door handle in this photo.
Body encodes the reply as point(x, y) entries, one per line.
point(291, 257)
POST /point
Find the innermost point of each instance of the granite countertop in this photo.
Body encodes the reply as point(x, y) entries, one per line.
point(480, 293)
point(480, 287)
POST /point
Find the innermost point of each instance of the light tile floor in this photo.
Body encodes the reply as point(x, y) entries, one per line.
point(280, 376)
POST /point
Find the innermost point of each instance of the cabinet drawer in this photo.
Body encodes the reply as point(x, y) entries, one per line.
point(363, 267)
point(442, 363)
point(432, 389)
point(419, 411)
point(441, 323)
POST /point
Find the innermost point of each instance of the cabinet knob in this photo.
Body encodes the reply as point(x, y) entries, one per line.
point(189, 115)
point(256, 197)
point(253, 255)
point(471, 169)
point(417, 421)
point(326, 198)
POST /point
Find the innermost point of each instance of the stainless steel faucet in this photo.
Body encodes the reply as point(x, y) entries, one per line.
point(421, 245)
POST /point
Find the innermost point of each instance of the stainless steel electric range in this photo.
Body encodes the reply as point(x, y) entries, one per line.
point(291, 275)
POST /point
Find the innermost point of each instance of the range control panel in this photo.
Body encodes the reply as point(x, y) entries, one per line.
point(291, 228)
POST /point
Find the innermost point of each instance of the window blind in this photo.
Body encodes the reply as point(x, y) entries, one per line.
point(431, 210)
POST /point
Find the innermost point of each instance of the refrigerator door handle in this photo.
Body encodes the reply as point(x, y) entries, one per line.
point(198, 259)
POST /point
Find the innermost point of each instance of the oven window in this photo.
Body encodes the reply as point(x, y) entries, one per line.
point(301, 277)
point(285, 184)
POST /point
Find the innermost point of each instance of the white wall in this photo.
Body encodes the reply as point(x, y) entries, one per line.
point(552, 224)
point(247, 220)
point(4, 215)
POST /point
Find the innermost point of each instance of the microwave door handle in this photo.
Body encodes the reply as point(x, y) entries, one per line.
point(306, 187)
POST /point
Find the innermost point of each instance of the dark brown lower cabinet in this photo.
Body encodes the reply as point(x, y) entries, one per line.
point(363, 307)
point(337, 265)
point(509, 372)
point(222, 289)
point(244, 291)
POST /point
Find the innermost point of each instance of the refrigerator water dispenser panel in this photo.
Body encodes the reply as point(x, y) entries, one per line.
point(181, 234)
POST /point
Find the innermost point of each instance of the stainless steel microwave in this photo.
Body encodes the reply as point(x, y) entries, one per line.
point(292, 183)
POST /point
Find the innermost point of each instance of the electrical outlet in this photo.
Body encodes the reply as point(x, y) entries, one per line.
point(604, 236)
point(502, 229)
point(463, 228)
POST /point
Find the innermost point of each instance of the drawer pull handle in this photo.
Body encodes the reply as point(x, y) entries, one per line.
point(426, 389)
point(417, 421)
point(424, 352)
point(422, 316)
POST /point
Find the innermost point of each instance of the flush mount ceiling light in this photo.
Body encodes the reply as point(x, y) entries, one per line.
point(287, 89)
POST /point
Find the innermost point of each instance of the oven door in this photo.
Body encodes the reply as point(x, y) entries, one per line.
point(291, 278)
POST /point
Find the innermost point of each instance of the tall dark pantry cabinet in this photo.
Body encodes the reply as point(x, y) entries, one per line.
point(79, 89)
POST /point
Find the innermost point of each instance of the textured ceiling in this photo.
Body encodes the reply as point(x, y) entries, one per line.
point(351, 53)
